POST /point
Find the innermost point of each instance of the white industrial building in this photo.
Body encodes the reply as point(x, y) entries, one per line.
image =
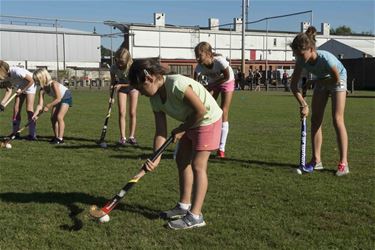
point(174, 45)
point(36, 46)
point(54, 48)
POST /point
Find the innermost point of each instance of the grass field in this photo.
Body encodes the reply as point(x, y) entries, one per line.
point(255, 200)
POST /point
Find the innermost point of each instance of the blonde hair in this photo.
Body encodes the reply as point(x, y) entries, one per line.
point(122, 54)
point(4, 69)
point(304, 41)
point(42, 77)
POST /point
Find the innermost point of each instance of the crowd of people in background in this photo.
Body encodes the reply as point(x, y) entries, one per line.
point(255, 79)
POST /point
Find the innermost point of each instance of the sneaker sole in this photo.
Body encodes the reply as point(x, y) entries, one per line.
point(172, 217)
point(193, 226)
point(342, 173)
point(319, 166)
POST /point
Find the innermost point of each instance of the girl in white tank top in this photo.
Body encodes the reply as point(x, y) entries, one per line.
point(62, 100)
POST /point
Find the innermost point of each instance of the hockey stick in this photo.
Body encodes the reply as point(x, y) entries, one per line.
point(97, 213)
point(12, 136)
point(302, 154)
point(9, 100)
point(104, 129)
point(105, 126)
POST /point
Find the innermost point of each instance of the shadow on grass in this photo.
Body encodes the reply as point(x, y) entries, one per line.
point(70, 201)
point(114, 146)
point(66, 138)
point(143, 156)
point(213, 159)
point(249, 162)
point(361, 96)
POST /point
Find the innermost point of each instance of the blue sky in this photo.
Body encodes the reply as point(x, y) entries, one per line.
point(357, 14)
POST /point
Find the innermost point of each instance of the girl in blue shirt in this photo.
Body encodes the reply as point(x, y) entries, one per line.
point(330, 79)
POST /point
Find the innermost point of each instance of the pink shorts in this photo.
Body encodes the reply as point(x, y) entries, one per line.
point(204, 138)
point(227, 86)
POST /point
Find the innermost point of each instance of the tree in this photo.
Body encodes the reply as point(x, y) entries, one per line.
point(105, 51)
point(342, 30)
point(345, 30)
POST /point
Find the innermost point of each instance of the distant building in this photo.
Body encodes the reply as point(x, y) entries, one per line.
point(35, 46)
point(350, 48)
point(174, 45)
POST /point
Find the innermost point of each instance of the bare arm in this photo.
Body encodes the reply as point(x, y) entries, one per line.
point(196, 76)
point(224, 77)
point(115, 82)
point(294, 85)
point(39, 107)
point(335, 78)
point(159, 138)
point(56, 89)
point(199, 110)
point(8, 93)
point(30, 82)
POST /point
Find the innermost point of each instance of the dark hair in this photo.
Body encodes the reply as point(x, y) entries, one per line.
point(141, 67)
point(305, 40)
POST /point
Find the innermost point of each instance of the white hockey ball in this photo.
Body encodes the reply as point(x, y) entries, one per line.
point(299, 171)
point(104, 219)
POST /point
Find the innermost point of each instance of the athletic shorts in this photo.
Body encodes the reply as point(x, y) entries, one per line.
point(68, 101)
point(227, 86)
point(127, 90)
point(331, 88)
point(204, 138)
point(67, 98)
point(29, 90)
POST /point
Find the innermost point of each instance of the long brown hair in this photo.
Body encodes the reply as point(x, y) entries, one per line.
point(304, 41)
point(205, 47)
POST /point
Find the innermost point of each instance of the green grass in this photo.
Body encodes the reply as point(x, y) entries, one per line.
point(255, 200)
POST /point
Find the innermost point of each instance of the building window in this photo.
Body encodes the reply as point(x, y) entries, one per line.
point(274, 42)
point(186, 70)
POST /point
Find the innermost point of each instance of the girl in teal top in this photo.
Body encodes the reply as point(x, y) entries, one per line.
point(330, 80)
point(189, 102)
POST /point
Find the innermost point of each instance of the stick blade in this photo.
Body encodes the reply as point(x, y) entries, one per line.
point(96, 212)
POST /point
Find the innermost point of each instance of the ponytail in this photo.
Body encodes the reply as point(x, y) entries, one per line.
point(304, 41)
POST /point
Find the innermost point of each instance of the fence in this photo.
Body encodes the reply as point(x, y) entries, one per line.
point(360, 72)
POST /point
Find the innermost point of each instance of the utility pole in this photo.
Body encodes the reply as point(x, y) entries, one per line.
point(243, 36)
point(57, 52)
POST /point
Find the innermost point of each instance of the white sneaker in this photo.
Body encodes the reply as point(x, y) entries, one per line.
point(318, 166)
point(342, 169)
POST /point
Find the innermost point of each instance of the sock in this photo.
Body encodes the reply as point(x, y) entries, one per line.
point(16, 125)
point(32, 126)
point(175, 151)
point(195, 216)
point(185, 206)
point(224, 135)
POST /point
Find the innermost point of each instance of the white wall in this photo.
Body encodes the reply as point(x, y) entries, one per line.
point(39, 48)
point(179, 43)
